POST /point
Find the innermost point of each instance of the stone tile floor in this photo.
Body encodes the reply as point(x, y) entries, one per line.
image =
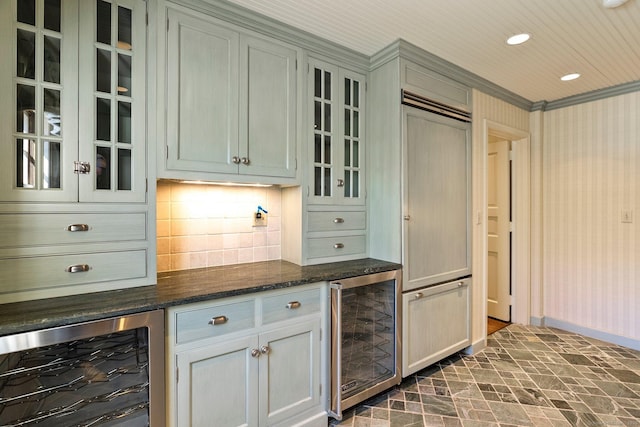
point(526, 376)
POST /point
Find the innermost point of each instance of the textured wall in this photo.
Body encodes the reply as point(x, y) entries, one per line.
point(590, 174)
point(205, 226)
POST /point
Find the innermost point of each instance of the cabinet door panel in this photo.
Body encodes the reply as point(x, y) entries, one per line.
point(39, 104)
point(437, 199)
point(112, 91)
point(202, 95)
point(436, 324)
point(217, 385)
point(290, 372)
point(268, 136)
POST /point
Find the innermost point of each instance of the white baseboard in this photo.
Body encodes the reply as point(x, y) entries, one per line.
point(477, 346)
point(588, 332)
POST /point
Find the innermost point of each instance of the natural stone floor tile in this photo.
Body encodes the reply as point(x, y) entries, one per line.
point(526, 376)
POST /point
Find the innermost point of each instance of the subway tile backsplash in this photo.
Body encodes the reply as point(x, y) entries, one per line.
point(210, 225)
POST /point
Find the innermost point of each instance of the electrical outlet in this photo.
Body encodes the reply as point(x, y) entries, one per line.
point(627, 216)
point(259, 219)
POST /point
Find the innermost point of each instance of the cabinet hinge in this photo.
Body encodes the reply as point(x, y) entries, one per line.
point(146, 185)
point(166, 152)
point(320, 334)
point(146, 18)
point(167, 24)
point(320, 389)
point(177, 374)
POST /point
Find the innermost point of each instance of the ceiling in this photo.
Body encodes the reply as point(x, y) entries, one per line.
point(567, 36)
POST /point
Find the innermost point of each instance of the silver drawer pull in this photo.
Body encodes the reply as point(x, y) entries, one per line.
point(338, 220)
point(293, 305)
point(220, 320)
point(419, 295)
point(338, 246)
point(265, 349)
point(78, 268)
point(255, 352)
point(78, 227)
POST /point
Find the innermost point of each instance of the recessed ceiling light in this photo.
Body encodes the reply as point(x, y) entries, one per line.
point(571, 76)
point(518, 39)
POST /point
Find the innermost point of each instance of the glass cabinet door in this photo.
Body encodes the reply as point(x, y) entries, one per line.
point(337, 147)
point(323, 131)
point(73, 118)
point(39, 135)
point(112, 48)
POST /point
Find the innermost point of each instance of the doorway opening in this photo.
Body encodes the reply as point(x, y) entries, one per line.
point(506, 284)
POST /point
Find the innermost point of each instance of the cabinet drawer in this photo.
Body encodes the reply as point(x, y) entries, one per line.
point(53, 229)
point(290, 305)
point(336, 246)
point(43, 272)
point(214, 321)
point(336, 221)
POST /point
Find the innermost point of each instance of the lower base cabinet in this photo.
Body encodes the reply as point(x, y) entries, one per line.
point(267, 374)
point(436, 324)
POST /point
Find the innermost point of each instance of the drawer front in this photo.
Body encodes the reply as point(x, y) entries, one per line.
point(214, 321)
point(290, 305)
point(336, 221)
point(336, 246)
point(43, 272)
point(19, 230)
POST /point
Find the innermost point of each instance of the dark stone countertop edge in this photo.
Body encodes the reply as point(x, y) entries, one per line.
point(177, 288)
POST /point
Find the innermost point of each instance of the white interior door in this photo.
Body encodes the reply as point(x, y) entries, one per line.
point(499, 247)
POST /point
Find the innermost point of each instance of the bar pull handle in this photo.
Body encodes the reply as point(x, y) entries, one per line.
point(219, 320)
point(78, 268)
point(338, 220)
point(338, 246)
point(293, 305)
point(78, 227)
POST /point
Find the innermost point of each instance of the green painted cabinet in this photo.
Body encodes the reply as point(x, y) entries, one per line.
point(231, 102)
point(73, 149)
point(328, 214)
point(249, 361)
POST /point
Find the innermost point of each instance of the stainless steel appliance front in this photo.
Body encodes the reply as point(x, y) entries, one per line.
point(365, 338)
point(108, 372)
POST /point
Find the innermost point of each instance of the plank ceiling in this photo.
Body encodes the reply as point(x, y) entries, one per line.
point(568, 36)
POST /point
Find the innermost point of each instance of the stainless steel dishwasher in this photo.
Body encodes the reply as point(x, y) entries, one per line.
point(365, 338)
point(108, 372)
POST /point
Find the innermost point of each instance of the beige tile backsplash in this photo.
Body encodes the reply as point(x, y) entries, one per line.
point(209, 225)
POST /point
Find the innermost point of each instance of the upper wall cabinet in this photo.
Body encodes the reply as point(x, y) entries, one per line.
point(337, 147)
point(231, 103)
point(73, 101)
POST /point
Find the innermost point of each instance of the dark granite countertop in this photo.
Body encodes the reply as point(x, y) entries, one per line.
point(175, 288)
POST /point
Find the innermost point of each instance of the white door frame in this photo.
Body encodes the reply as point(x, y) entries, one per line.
point(521, 214)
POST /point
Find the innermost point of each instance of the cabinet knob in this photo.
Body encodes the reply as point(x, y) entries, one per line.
point(460, 284)
point(244, 161)
point(338, 246)
point(265, 349)
point(78, 227)
point(235, 160)
point(338, 220)
point(407, 217)
point(419, 295)
point(293, 305)
point(219, 320)
point(78, 268)
point(255, 352)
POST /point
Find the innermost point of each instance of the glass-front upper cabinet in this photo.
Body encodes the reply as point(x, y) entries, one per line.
point(73, 100)
point(337, 147)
